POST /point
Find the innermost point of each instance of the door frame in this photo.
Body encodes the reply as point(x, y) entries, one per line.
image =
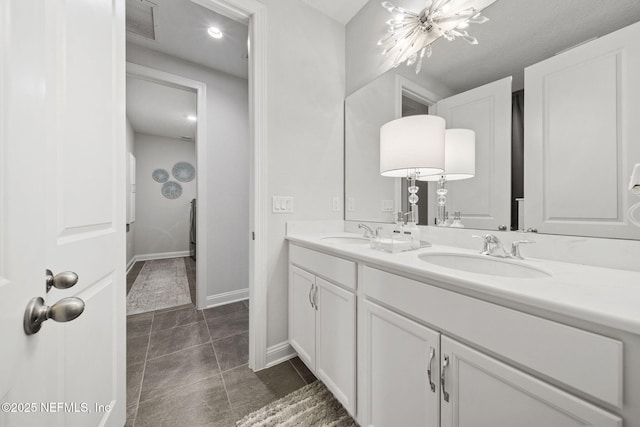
point(161, 77)
point(253, 13)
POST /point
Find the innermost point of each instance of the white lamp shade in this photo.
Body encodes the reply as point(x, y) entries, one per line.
point(412, 144)
point(459, 157)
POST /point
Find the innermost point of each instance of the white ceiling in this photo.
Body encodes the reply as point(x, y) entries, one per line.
point(160, 110)
point(181, 31)
point(340, 10)
point(521, 33)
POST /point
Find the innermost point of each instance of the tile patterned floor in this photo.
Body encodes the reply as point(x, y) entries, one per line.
point(189, 367)
point(160, 284)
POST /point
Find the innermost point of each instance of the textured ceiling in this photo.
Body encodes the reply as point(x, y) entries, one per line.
point(521, 33)
point(160, 110)
point(181, 31)
point(340, 10)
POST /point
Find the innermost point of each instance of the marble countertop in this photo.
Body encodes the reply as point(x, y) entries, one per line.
point(604, 296)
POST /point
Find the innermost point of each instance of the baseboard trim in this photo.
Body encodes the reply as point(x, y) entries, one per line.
point(279, 353)
point(227, 297)
point(161, 255)
point(131, 264)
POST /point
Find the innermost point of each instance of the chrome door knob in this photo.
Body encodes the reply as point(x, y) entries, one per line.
point(63, 280)
point(37, 312)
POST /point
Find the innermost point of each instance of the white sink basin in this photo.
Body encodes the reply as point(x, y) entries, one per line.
point(348, 240)
point(484, 264)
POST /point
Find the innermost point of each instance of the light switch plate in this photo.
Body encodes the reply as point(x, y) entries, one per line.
point(282, 204)
point(387, 206)
point(336, 204)
point(351, 204)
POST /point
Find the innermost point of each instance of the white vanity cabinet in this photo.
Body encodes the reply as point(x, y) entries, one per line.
point(472, 388)
point(432, 357)
point(322, 319)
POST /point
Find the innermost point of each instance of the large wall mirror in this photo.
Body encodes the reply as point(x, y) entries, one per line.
point(551, 110)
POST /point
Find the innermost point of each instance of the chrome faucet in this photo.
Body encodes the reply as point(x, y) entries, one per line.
point(515, 248)
point(368, 231)
point(492, 246)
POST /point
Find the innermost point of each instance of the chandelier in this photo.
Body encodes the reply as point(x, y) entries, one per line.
point(410, 35)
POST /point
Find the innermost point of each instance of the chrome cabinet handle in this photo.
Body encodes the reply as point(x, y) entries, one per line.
point(315, 298)
point(63, 280)
point(64, 310)
point(445, 363)
point(310, 295)
point(432, 353)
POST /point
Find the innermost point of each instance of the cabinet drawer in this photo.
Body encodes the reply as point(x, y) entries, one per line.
point(583, 360)
point(335, 269)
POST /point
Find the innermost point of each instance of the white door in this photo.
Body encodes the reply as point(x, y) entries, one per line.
point(302, 315)
point(336, 341)
point(480, 391)
point(62, 203)
point(398, 385)
point(484, 200)
point(582, 138)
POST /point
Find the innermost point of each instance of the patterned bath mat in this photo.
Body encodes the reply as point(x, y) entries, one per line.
point(160, 284)
point(310, 406)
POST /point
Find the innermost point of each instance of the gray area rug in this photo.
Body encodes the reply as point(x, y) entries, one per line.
point(160, 284)
point(310, 406)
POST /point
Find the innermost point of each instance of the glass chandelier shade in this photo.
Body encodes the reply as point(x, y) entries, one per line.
point(410, 35)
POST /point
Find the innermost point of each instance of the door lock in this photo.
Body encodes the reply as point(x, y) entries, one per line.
point(63, 280)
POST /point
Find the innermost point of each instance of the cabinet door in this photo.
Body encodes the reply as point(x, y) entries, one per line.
point(302, 315)
point(394, 384)
point(480, 391)
point(336, 341)
point(581, 138)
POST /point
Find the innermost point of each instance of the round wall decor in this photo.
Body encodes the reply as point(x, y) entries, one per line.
point(184, 171)
point(171, 190)
point(160, 175)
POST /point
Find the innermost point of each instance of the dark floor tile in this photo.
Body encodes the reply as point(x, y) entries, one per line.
point(203, 403)
point(137, 349)
point(178, 369)
point(250, 390)
point(173, 308)
point(178, 338)
point(228, 324)
point(139, 324)
point(131, 415)
point(232, 351)
point(173, 318)
point(134, 382)
point(302, 369)
point(223, 310)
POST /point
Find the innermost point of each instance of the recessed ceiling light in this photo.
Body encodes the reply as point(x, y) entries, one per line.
point(215, 32)
point(192, 118)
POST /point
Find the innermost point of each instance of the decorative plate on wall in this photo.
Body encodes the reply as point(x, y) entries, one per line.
point(171, 190)
point(184, 171)
point(160, 175)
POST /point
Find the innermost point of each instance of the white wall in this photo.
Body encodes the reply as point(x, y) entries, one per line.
point(227, 124)
point(305, 94)
point(162, 225)
point(131, 247)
